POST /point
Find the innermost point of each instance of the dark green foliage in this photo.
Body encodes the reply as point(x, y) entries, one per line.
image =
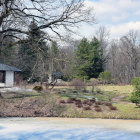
point(136, 83)
point(135, 98)
point(89, 59)
point(95, 58)
point(33, 54)
point(105, 77)
point(82, 64)
point(7, 51)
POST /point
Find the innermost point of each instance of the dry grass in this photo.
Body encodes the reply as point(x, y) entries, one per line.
point(124, 111)
point(126, 89)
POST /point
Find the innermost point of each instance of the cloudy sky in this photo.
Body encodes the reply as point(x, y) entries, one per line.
point(119, 16)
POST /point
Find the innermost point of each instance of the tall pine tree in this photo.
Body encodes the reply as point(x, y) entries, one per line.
point(89, 59)
point(34, 54)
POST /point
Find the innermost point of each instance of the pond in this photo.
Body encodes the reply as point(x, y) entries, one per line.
point(68, 129)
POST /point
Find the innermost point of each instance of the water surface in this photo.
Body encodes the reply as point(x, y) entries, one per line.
point(68, 129)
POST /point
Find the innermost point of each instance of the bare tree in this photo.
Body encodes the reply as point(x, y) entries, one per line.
point(124, 57)
point(51, 15)
point(102, 35)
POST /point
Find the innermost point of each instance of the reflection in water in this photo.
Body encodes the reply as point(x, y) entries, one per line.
point(50, 132)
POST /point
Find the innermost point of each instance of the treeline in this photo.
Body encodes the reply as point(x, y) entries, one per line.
point(117, 61)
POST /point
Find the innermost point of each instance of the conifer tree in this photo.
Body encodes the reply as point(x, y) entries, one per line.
point(34, 54)
point(89, 59)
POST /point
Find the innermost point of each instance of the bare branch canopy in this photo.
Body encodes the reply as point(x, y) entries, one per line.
point(52, 15)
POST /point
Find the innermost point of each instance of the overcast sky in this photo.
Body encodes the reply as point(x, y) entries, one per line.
point(119, 16)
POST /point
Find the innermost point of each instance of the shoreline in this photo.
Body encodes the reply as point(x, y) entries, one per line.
point(68, 123)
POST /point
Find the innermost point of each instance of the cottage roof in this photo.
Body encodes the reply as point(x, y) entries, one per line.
point(4, 67)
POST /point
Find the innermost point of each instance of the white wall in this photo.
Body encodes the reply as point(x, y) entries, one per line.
point(9, 79)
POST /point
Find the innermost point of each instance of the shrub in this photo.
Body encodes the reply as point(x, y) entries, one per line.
point(74, 99)
point(98, 109)
point(78, 101)
point(89, 103)
point(79, 105)
point(38, 88)
point(87, 108)
point(70, 101)
point(78, 84)
point(49, 104)
point(108, 104)
point(96, 106)
point(62, 101)
point(112, 108)
point(93, 83)
point(98, 103)
point(105, 77)
point(136, 83)
point(93, 100)
point(98, 91)
point(135, 98)
point(85, 101)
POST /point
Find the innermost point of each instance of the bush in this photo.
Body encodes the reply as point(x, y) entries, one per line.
point(98, 103)
point(105, 77)
point(108, 104)
point(93, 100)
point(98, 109)
point(136, 83)
point(38, 88)
point(49, 104)
point(78, 84)
point(112, 108)
point(87, 108)
point(79, 105)
point(89, 103)
point(70, 101)
point(98, 91)
point(85, 101)
point(62, 102)
point(135, 98)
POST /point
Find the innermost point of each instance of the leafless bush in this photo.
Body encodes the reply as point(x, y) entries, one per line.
point(98, 109)
point(78, 84)
point(112, 108)
point(98, 91)
point(85, 101)
point(87, 108)
point(19, 80)
point(78, 101)
point(98, 103)
point(89, 103)
point(70, 101)
point(93, 100)
point(108, 104)
point(62, 102)
point(79, 105)
point(96, 106)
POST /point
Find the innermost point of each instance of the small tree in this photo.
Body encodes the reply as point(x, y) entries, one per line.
point(105, 77)
point(135, 98)
point(78, 84)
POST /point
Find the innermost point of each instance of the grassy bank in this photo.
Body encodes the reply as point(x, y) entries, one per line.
point(57, 103)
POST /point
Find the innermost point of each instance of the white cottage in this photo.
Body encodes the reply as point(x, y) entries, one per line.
point(7, 75)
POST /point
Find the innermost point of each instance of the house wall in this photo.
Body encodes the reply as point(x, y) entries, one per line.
point(9, 79)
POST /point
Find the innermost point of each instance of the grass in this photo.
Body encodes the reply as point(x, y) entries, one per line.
point(125, 89)
point(125, 110)
point(14, 95)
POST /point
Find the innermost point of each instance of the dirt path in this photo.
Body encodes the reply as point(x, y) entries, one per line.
point(117, 99)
